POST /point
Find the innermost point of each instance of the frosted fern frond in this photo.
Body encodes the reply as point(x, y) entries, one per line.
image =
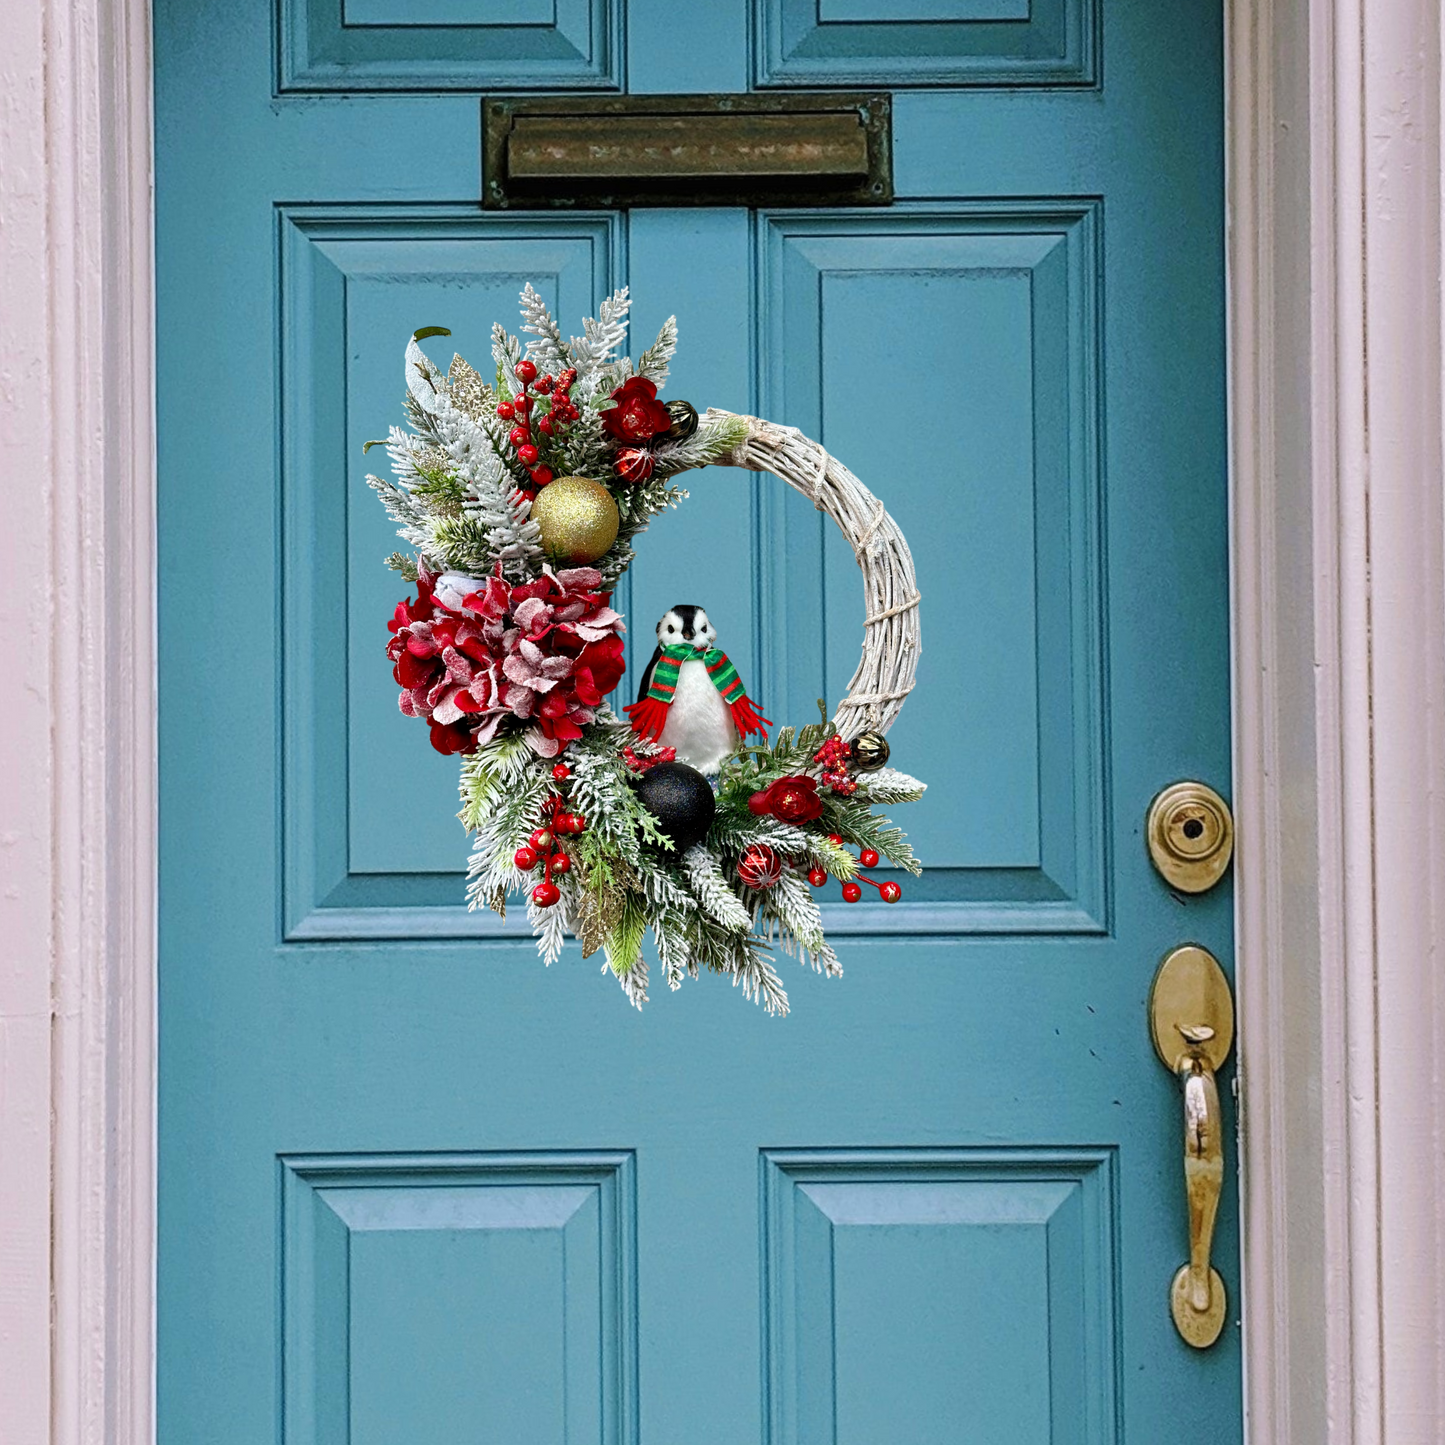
point(653, 362)
point(547, 348)
point(710, 887)
point(600, 337)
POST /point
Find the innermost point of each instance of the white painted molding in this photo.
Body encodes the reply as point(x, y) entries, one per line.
point(1339, 517)
point(78, 726)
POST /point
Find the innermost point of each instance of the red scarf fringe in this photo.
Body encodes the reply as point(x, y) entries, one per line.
point(649, 717)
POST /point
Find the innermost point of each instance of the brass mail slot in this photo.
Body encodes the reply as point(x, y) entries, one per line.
point(687, 150)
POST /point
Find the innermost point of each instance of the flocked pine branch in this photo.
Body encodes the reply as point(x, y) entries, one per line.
point(669, 932)
point(710, 887)
point(495, 525)
point(550, 926)
point(506, 352)
point(546, 348)
point(714, 438)
point(654, 362)
point(888, 785)
point(600, 337)
point(753, 969)
point(634, 983)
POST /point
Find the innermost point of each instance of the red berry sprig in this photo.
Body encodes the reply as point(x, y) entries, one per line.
point(889, 892)
point(550, 425)
point(836, 762)
point(542, 846)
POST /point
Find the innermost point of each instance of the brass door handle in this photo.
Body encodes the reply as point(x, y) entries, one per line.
point(1191, 1015)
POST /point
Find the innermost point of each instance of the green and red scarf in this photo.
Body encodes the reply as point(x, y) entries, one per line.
point(649, 716)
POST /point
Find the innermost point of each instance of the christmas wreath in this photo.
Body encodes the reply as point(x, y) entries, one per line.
point(520, 497)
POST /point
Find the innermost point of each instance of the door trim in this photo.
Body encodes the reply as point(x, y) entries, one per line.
point(1334, 129)
point(1339, 655)
point(77, 727)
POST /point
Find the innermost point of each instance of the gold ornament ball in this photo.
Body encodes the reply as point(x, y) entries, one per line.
point(870, 751)
point(578, 519)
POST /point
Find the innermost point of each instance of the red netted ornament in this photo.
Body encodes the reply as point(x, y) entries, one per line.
point(760, 867)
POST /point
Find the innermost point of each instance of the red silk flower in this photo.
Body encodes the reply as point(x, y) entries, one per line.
point(791, 800)
point(638, 415)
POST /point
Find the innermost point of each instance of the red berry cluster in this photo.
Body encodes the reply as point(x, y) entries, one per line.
point(542, 846)
point(555, 410)
point(889, 892)
point(835, 759)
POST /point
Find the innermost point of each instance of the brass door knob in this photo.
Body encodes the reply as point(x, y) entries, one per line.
point(1191, 1019)
point(1191, 836)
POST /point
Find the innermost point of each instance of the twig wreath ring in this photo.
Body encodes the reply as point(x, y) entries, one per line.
point(520, 498)
point(891, 642)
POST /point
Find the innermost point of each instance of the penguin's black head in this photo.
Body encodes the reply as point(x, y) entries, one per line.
point(686, 622)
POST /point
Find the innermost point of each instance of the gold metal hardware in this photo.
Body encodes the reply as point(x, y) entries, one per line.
point(1191, 1017)
point(1191, 836)
point(574, 151)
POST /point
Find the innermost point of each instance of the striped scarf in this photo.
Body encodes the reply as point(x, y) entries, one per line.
point(723, 674)
point(650, 715)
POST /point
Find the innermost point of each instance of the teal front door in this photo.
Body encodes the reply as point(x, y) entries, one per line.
point(417, 1189)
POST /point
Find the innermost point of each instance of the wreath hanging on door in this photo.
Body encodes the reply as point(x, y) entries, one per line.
point(521, 497)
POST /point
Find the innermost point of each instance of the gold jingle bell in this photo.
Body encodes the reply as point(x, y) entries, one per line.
point(869, 751)
point(578, 520)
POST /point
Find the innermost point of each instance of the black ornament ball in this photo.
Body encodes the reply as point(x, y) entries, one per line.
point(684, 420)
point(681, 800)
point(870, 751)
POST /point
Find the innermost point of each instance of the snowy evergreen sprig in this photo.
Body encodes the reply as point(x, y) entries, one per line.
point(654, 362)
point(546, 348)
point(714, 438)
point(601, 336)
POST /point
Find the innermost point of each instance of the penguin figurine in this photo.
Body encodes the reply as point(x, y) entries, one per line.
point(692, 699)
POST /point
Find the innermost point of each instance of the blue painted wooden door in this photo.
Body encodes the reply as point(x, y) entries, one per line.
point(417, 1189)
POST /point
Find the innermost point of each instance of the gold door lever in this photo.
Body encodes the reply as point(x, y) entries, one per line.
point(1191, 1015)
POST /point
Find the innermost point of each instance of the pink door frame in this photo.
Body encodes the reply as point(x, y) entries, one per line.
point(1335, 125)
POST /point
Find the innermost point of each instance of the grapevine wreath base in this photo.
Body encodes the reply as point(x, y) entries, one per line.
point(520, 498)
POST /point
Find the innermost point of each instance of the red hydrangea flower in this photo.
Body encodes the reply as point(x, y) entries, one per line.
point(638, 415)
point(791, 800)
point(470, 660)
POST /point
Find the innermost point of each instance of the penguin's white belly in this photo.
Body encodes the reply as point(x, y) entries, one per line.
point(699, 724)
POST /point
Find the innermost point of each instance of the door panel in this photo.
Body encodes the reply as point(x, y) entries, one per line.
point(877, 1263)
point(414, 1186)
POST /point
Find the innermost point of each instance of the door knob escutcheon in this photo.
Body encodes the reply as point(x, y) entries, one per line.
point(1191, 1018)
